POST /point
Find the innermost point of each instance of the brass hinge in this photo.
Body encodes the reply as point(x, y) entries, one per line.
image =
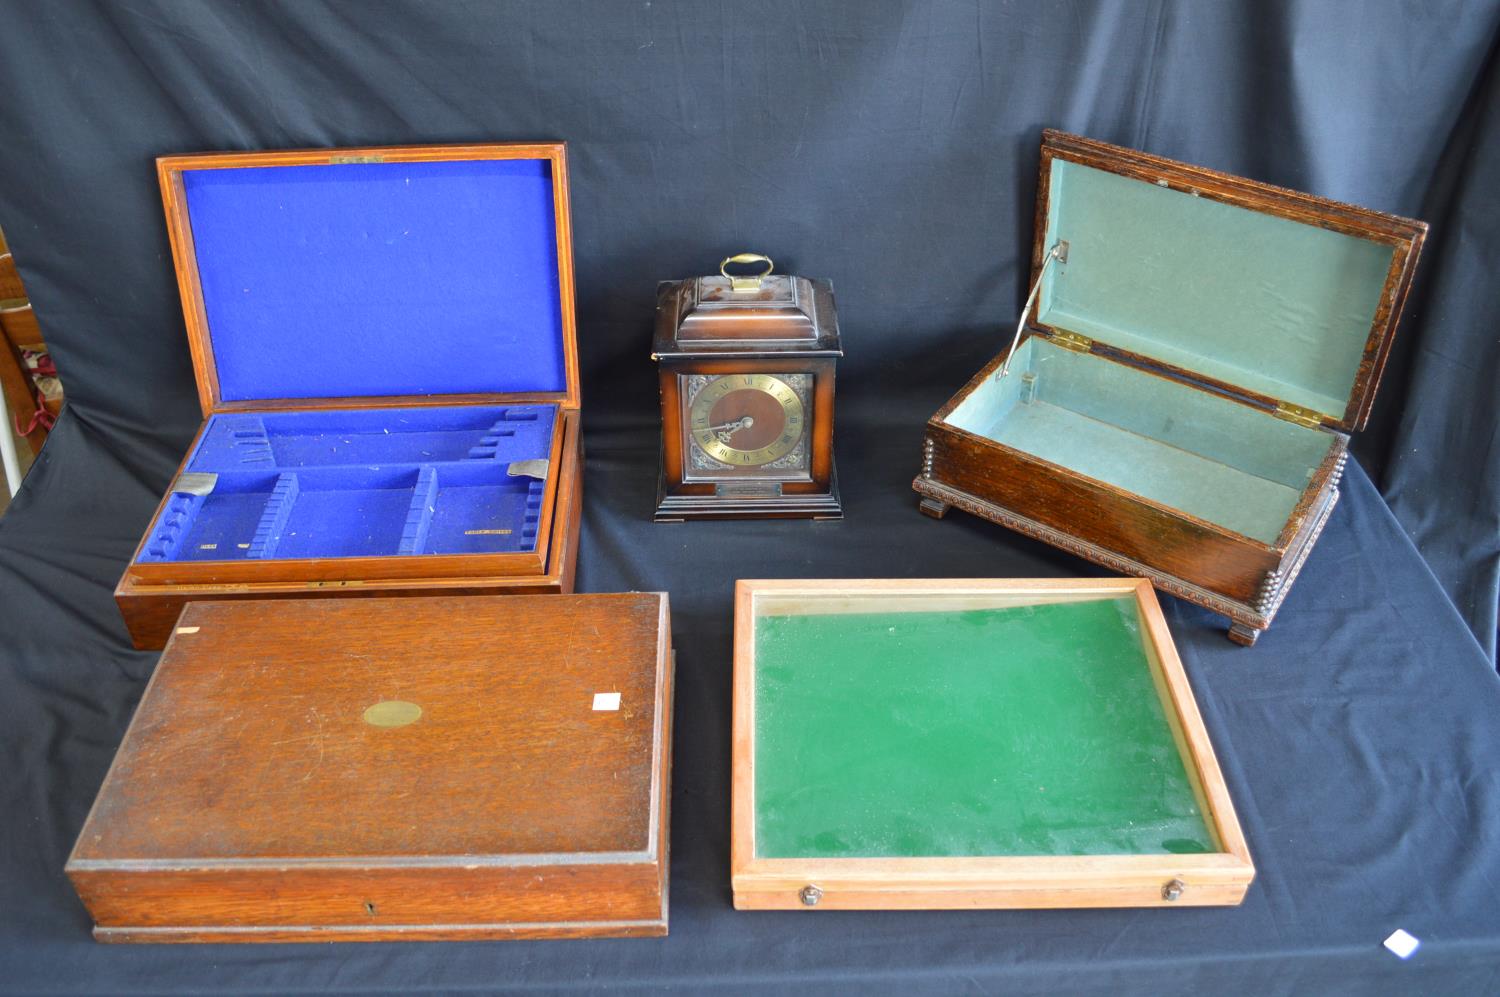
point(1296, 413)
point(1072, 341)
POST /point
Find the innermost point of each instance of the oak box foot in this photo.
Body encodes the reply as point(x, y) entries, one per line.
point(1241, 634)
point(934, 508)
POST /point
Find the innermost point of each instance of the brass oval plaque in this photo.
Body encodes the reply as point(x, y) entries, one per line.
point(392, 713)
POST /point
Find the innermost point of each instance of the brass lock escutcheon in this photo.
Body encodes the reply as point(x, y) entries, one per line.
point(752, 282)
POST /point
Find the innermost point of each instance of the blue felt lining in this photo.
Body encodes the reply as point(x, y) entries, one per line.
point(358, 483)
point(355, 280)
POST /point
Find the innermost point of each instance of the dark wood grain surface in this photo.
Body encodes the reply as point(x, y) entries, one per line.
point(1195, 559)
point(715, 332)
point(150, 595)
point(1108, 516)
point(251, 790)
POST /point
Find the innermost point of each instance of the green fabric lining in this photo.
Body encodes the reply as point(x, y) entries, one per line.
point(1213, 458)
point(1031, 730)
point(1274, 306)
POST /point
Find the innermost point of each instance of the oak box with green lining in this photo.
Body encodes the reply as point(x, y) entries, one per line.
point(1176, 400)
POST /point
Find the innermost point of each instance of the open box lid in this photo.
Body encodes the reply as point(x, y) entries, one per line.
point(414, 274)
point(1284, 299)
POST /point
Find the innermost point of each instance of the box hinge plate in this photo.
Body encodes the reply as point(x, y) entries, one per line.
point(1072, 341)
point(1301, 416)
point(195, 483)
point(536, 468)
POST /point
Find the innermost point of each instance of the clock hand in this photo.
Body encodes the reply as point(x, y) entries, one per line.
point(744, 422)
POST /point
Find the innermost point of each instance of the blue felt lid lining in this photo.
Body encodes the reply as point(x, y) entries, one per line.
point(380, 279)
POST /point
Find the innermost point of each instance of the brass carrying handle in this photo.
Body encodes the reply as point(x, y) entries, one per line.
point(752, 282)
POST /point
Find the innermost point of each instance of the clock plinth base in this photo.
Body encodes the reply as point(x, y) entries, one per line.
point(680, 508)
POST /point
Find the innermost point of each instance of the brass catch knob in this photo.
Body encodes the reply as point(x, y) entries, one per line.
point(810, 895)
point(1173, 890)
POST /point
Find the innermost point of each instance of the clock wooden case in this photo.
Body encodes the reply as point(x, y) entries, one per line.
point(747, 378)
point(1178, 398)
point(389, 770)
point(385, 352)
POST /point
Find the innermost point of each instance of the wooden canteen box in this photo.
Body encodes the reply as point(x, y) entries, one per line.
point(392, 769)
point(1177, 400)
point(925, 744)
point(385, 351)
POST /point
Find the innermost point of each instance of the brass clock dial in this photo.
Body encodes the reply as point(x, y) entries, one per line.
point(747, 420)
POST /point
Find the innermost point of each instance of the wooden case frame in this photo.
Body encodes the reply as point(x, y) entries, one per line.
point(151, 594)
point(1219, 878)
point(817, 496)
point(1197, 560)
point(142, 892)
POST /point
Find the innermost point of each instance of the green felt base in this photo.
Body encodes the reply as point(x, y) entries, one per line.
point(1213, 458)
point(1034, 730)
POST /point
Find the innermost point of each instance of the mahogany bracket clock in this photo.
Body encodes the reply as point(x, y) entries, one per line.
point(747, 369)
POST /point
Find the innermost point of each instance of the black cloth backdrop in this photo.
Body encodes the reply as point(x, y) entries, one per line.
point(891, 147)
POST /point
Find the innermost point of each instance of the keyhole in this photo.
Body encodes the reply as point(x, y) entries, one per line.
point(369, 908)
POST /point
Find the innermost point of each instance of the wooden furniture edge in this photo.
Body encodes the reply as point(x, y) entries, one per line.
point(742, 733)
point(939, 425)
point(74, 857)
point(653, 928)
point(1221, 561)
point(1227, 894)
point(189, 287)
point(812, 495)
point(661, 789)
point(1404, 236)
point(1249, 619)
point(1218, 878)
point(382, 567)
point(90, 875)
point(170, 168)
point(372, 896)
point(149, 614)
point(1364, 222)
point(562, 563)
point(1326, 475)
point(1210, 777)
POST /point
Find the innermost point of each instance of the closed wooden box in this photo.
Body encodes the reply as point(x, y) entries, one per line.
point(388, 769)
point(1177, 402)
point(385, 352)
